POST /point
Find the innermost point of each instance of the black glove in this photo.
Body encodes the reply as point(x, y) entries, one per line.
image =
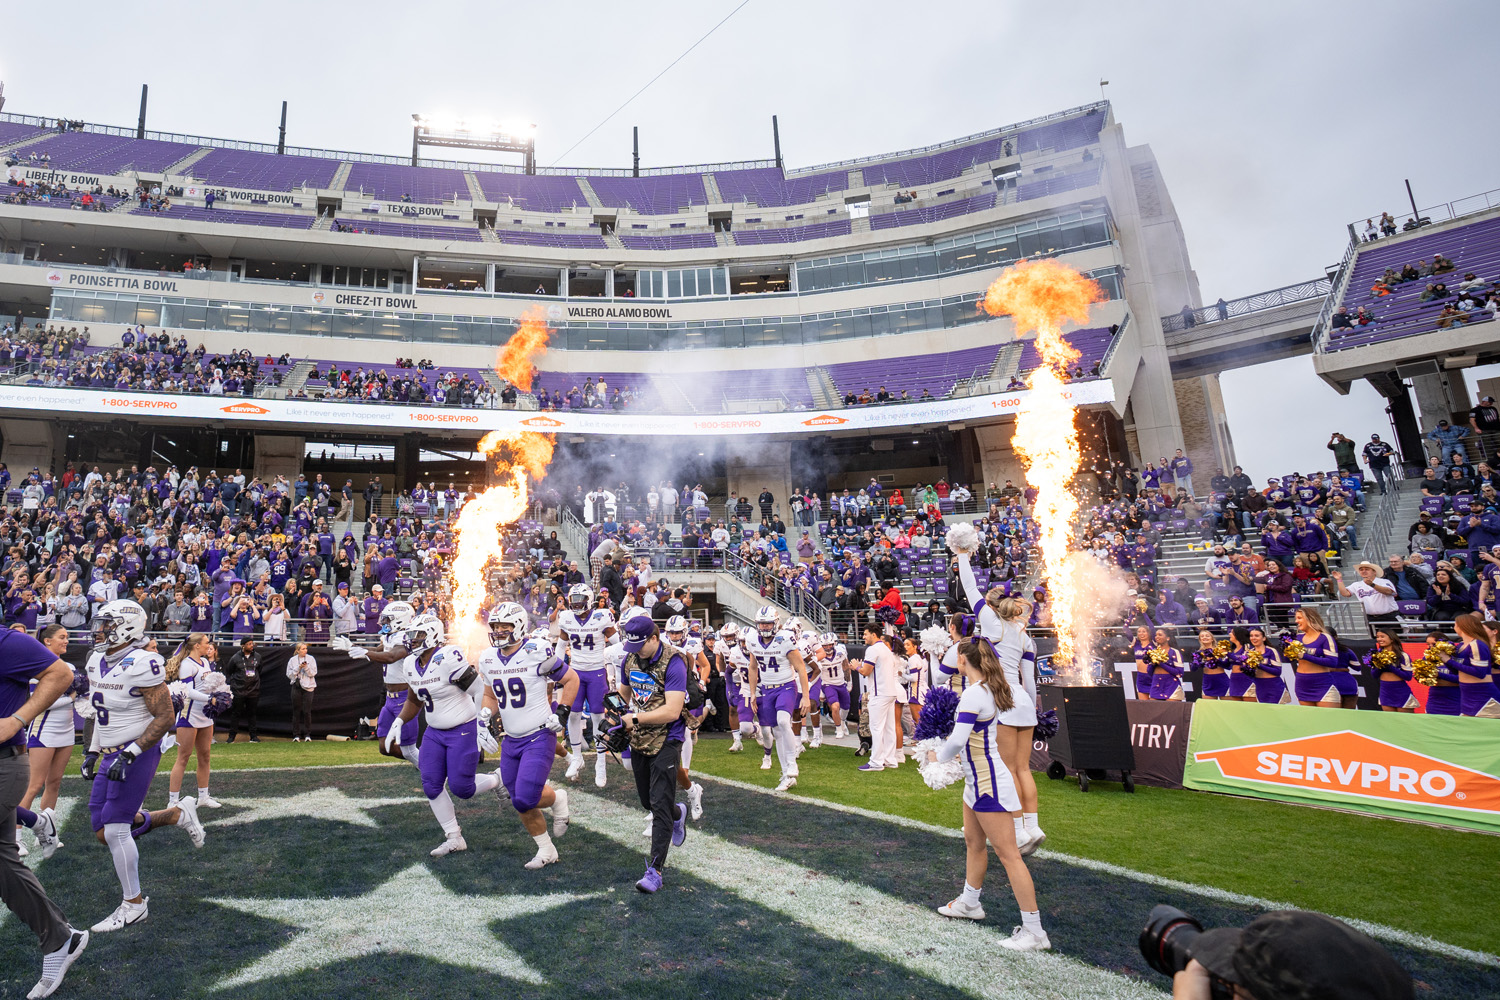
point(562, 713)
point(90, 766)
point(122, 761)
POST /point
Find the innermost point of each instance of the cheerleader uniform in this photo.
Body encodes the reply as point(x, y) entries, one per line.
point(1477, 698)
point(190, 673)
point(1444, 697)
point(917, 678)
point(1396, 693)
point(53, 729)
point(1271, 690)
point(948, 670)
point(1017, 655)
point(988, 786)
point(1167, 685)
point(1331, 687)
point(1240, 679)
point(1216, 684)
point(1142, 668)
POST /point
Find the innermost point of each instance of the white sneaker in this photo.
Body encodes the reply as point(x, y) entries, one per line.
point(695, 801)
point(21, 849)
point(1034, 840)
point(765, 762)
point(55, 965)
point(958, 908)
point(560, 813)
point(453, 843)
point(46, 833)
point(647, 832)
point(817, 741)
point(1022, 939)
point(125, 914)
point(544, 856)
point(788, 782)
point(575, 765)
point(792, 770)
point(209, 802)
point(599, 769)
point(188, 820)
point(842, 732)
point(736, 744)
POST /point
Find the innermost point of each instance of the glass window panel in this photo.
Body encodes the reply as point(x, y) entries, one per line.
point(721, 281)
point(674, 284)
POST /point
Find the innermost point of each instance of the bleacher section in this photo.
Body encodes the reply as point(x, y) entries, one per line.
point(940, 166)
point(532, 194)
point(937, 373)
point(1472, 248)
point(1092, 345)
point(552, 238)
point(668, 241)
point(792, 234)
point(394, 182)
point(767, 187)
point(1057, 184)
point(663, 194)
point(411, 230)
point(933, 213)
point(263, 171)
point(105, 154)
point(231, 216)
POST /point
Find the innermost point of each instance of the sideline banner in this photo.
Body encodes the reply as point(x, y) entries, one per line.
point(1158, 734)
point(1443, 769)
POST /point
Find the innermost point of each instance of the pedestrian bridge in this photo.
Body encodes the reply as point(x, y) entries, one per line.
point(1267, 326)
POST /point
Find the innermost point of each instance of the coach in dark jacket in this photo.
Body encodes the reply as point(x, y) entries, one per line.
point(244, 684)
point(612, 581)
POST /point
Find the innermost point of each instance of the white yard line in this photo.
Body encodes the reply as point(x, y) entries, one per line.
point(957, 953)
point(1393, 934)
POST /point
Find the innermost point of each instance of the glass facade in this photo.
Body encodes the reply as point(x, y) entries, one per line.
point(605, 335)
point(682, 283)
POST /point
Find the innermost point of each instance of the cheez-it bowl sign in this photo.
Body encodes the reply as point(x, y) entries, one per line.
point(1358, 765)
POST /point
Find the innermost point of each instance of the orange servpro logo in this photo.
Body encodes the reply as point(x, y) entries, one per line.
point(541, 422)
point(823, 420)
point(244, 408)
point(1358, 765)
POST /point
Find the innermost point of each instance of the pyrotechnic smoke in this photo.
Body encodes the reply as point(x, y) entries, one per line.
point(1039, 296)
point(519, 457)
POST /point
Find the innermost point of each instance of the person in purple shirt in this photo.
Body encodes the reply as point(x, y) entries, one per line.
point(1279, 545)
point(319, 614)
point(387, 569)
point(25, 610)
point(1168, 611)
point(1181, 468)
point(1308, 537)
point(371, 608)
point(1239, 613)
point(246, 617)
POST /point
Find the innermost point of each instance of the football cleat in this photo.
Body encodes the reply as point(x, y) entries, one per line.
point(125, 914)
point(1022, 939)
point(560, 813)
point(575, 765)
point(817, 740)
point(695, 801)
point(188, 819)
point(544, 856)
point(736, 744)
point(454, 843)
point(958, 908)
point(788, 782)
point(599, 764)
point(765, 761)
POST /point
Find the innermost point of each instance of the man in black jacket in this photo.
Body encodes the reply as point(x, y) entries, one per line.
point(612, 581)
point(766, 502)
point(244, 683)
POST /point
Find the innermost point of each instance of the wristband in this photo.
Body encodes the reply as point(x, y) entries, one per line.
point(23, 722)
point(135, 749)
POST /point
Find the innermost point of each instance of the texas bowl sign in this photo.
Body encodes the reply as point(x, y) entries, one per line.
point(1437, 768)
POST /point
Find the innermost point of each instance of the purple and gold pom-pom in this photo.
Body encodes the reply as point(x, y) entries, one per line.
point(939, 711)
point(1222, 648)
point(887, 615)
point(218, 704)
point(1294, 650)
point(1047, 724)
point(1425, 671)
point(80, 685)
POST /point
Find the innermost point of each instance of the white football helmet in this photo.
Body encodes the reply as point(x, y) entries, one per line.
point(676, 629)
point(507, 624)
point(119, 624)
point(729, 631)
point(767, 622)
point(635, 611)
point(543, 634)
point(425, 632)
point(828, 640)
point(395, 616)
point(580, 597)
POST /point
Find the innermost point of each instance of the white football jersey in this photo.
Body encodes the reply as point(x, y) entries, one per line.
point(835, 667)
point(739, 665)
point(520, 685)
point(585, 637)
point(614, 658)
point(772, 658)
point(120, 713)
point(395, 671)
point(436, 687)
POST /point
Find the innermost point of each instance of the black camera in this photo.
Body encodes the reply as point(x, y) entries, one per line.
point(1167, 942)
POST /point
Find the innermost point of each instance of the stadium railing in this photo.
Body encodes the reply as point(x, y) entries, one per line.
point(1445, 211)
point(1300, 292)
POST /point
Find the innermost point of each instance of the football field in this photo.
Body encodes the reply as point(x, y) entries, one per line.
point(316, 882)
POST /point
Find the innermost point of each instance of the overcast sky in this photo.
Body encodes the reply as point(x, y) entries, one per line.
point(1275, 123)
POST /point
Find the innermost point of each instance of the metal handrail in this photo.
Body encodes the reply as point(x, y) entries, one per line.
point(1447, 210)
point(1286, 295)
point(1378, 535)
point(1319, 335)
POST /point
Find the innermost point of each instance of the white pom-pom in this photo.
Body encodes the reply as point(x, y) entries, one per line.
point(935, 639)
point(212, 682)
point(84, 708)
point(962, 538)
point(937, 775)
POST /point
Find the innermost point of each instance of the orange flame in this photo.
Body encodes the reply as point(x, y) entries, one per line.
point(519, 457)
point(1040, 295)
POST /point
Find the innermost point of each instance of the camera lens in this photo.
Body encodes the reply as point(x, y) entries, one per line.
point(1166, 938)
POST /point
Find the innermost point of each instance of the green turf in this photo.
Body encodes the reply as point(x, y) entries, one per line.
point(275, 752)
point(1401, 874)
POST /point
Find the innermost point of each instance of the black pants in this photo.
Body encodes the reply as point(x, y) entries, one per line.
point(245, 708)
point(656, 784)
point(719, 695)
point(301, 711)
point(18, 886)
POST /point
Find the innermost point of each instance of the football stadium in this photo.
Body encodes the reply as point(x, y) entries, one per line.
point(450, 570)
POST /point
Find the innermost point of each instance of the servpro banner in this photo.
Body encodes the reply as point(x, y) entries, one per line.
point(1444, 769)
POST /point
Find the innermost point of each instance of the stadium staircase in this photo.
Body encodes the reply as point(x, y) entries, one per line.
point(476, 193)
point(859, 224)
point(673, 396)
point(588, 192)
point(612, 241)
point(824, 393)
point(493, 380)
point(324, 223)
point(181, 166)
point(124, 205)
point(711, 188)
point(296, 378)
point(340, 176)
point(488, 234)
point(722, 238)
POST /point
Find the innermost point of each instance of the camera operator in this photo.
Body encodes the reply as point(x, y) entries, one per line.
point(653, 680)
point(1281, 955)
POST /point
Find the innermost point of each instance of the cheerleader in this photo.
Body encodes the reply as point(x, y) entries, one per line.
point(1443, 697)
point(989, 793)
point(49, 747)
point(1270, 689)
point(1241, 674)
point(1392, 667)
point(1166, 669)
point(1208, 659)
point(1141, 650)
point(960, 630)
point(917, 681)
point(1320, 680)
point(1017, 654)
point(195, 730)
point(1478, 696)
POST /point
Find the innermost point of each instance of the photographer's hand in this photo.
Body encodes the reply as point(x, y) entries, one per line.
point(1191, 983)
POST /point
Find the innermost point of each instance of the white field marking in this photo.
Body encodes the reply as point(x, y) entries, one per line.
point(228, 770)
point(63, 812)
point(327, 803)
point(411, 913)
point(1408, 939)
point(956, 953)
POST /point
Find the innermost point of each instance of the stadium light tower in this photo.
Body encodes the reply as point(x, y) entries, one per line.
point(507, 137)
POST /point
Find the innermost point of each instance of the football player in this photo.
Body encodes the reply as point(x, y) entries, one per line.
point(440, 680)
point(778, 685)
point(831, 688)
point(587, 632)
point(736, 672)
point(392, 654)
point(689, 639)
point(518, 672)
point(132, 712)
